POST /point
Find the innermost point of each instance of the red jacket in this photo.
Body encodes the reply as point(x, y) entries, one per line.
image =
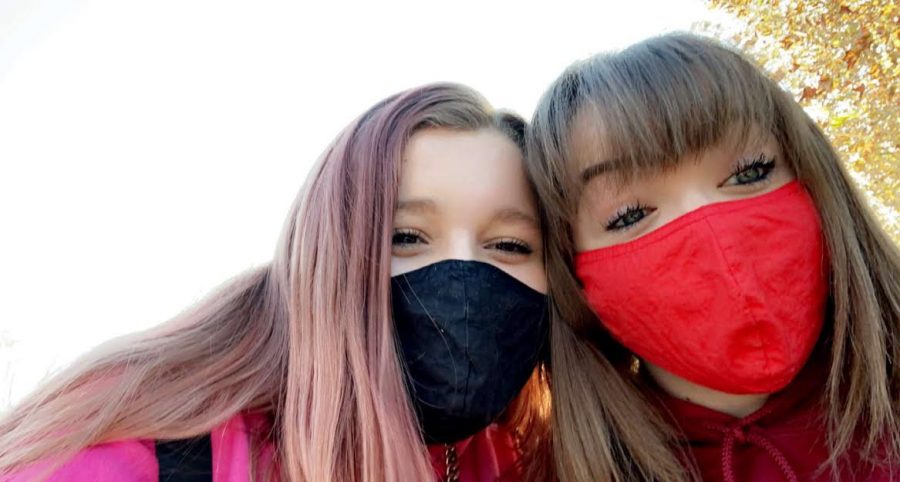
point(785, 440)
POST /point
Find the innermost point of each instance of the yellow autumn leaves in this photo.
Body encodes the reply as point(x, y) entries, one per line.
point(841, 59)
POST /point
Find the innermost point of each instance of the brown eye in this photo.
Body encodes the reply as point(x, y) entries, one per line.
point(511, 246)
point(406, 238)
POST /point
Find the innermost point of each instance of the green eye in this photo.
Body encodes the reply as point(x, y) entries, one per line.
point(751, 172)
point(628, 217)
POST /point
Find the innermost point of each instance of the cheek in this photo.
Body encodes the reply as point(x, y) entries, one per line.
point(531, 273)
point(780, 176)
point(401, 265)
point(595, 206)
point(784, 175)
point(586, 230)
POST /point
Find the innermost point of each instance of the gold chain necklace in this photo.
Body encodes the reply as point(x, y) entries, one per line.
point(451, 458)
point(451, 461)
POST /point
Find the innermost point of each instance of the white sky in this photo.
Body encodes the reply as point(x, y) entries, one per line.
point(150, 149)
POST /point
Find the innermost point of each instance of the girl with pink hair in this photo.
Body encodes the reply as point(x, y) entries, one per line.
point(396, 335)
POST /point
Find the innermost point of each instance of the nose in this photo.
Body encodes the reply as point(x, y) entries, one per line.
point(695, 197)
point(462, 245)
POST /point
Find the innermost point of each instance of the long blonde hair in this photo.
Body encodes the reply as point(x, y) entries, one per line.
point(307, 338)
point(659, 101)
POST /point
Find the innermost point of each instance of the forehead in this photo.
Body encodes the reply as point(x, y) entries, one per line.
point(594, 143)
point(470, 170)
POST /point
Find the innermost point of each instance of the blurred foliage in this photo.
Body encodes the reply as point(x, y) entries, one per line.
point(841, 59)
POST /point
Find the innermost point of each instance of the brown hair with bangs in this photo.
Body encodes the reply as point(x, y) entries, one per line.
point(655, 103)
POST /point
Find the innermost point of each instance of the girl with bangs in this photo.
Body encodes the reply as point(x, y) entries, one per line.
point(725, 300)
point(395, 336)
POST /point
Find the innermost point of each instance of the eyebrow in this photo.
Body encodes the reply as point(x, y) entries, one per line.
point(513, 215)
point(600, 168)
point(417, 205)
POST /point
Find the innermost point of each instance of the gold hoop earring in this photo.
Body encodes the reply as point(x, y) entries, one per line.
point(635, 367)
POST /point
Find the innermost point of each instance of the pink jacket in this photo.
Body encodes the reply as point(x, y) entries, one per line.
point(482, 458)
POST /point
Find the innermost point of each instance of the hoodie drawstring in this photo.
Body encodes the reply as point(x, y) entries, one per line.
point(739, 432)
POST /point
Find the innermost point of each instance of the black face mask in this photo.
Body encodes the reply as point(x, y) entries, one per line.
point(470, 336)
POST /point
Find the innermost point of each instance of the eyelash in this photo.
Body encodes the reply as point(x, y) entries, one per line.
point(621, 215)
point(764, 163)
point(396, 238)
point(518, 247)
point(511, 246)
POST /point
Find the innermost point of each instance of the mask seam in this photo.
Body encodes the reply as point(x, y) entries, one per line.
point(436, 326)
point(757, 323)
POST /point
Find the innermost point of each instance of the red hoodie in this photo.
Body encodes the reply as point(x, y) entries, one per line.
point(489, 456)
point(785, 440)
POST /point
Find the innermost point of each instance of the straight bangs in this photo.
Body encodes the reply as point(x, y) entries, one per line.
point(653, 105)
point(646, 109)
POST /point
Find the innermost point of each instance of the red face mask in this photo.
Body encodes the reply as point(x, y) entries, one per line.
point(730, 296)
